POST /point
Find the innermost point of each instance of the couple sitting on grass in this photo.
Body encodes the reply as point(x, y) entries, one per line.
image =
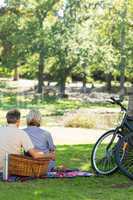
point(35, 141)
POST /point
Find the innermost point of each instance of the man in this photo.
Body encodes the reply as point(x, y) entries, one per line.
point(13, 139)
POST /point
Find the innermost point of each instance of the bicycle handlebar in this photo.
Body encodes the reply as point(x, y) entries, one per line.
point(117, 101)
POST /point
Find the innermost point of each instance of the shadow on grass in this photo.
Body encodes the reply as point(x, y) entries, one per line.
point(75, 156)
point(80, 188)
point(59, 106)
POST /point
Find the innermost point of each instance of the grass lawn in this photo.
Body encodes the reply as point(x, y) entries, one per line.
point(87, 188)
point(15, 95)
point(50, 107)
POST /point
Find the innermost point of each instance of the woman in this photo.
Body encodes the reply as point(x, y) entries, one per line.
point(40, 138)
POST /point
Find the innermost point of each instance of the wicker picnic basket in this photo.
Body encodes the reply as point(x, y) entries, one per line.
point(27, 166)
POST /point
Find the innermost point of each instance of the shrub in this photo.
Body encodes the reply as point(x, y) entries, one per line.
point(80, 121)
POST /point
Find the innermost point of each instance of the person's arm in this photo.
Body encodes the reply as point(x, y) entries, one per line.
point(38, 154)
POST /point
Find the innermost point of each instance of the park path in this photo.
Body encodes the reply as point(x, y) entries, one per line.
point(62, 135)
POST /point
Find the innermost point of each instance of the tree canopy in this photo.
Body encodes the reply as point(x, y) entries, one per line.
point(87, 39)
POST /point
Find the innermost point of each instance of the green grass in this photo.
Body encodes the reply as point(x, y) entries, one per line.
point(92, 188)
point(49, 106)
point(53, 109)
point(11, 100)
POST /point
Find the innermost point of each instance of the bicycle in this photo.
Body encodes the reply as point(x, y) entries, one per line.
point(108, 153)
point(124, 155)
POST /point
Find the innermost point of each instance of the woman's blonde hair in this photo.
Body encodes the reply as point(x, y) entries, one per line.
point(34, 118)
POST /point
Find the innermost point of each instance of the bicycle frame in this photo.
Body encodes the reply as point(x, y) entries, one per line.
point(124, 123)
point(112, 138)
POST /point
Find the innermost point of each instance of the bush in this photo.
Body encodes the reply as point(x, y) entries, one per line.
point(80, 121)
point(3, 84)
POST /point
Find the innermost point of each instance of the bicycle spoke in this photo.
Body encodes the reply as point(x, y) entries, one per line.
point(124, 155)
point(103, 153)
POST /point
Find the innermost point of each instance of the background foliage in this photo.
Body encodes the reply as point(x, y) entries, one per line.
point(53, 40)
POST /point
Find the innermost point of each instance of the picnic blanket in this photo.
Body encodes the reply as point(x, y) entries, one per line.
point(71, 173)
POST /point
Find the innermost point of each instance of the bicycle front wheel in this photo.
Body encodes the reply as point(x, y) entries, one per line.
point(102, 157)
point(124, 155)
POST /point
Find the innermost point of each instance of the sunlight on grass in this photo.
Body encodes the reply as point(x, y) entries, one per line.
point(80, 188)
point(37, 192)
point(52, 107)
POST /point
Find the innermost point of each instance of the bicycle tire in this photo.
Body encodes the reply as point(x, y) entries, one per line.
point(124, 155)
point(104, 164)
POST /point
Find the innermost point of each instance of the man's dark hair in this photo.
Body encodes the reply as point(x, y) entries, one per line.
point(13, 116)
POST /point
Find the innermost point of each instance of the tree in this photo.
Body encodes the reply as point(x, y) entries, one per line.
point(74, 45)
point(122, 47)
point(35, 29)
point(13, 39)
point(80, 36)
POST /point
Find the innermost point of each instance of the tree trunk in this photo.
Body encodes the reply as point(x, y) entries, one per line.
point(62, 89)
point(122, 50)
point(62, 86)
point(16, 74)
point(40, 71)
point(84, 82)
point(84, 79)
point(130, 102)
point(108, 82)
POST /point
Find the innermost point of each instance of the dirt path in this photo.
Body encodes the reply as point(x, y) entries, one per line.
point(70, 136)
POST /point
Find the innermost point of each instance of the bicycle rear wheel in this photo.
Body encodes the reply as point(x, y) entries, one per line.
point(102, 157)
point(124, 155)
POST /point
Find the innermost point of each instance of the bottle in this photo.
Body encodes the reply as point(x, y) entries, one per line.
point(22, 150)
point(5, 167)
